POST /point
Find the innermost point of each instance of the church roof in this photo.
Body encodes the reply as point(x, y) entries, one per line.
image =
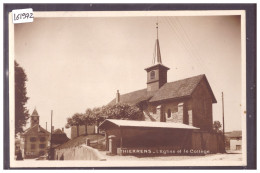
point(172, 90)
point(35, 113)
point(156, 65)
point(134, 97)
point(179, 89)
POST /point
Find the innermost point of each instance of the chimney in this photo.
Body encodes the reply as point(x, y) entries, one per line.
point(52, 128)
point(62, 129)
point(117, 97)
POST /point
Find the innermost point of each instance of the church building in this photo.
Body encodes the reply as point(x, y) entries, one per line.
point(187, 101)
point(177, 114)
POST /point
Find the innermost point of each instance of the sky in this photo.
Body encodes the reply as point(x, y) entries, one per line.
point(77, 63)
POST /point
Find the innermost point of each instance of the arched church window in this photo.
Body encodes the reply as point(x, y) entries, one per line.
point(169, 113)
point(152, 75)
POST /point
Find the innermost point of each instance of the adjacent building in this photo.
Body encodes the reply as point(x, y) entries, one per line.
point(234, 139)
point(35, 139)
point(59, 137)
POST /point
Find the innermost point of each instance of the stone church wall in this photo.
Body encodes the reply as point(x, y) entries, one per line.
point(172, 111)
point(195, 111)
point(202, 107)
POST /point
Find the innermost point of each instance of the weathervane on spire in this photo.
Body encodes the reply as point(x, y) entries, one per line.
point(157, 28)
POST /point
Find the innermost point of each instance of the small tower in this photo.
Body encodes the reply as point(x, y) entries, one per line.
point(157, 73)
point(35, 118)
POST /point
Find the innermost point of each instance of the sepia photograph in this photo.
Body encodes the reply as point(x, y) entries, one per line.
point(128, 88)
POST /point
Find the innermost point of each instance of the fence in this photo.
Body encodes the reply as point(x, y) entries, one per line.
point(208, 141)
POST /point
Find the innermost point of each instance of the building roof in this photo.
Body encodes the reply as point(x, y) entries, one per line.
point(134, 97)
point(35, 113)
point(157, 65)
point(234, 134)
point(59, 137)
point(179, 89)
point(147, 124)
point(58, 131)
point(172, 90)
point(35, 129)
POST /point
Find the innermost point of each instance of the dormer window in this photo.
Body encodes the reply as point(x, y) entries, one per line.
point(152, 75)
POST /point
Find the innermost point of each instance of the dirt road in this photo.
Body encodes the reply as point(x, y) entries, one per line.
point(209, 157)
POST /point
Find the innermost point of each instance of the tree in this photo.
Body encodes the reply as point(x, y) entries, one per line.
point(122, 111)
point(79, 119)
point(89, 119)
point(21, 112)
point(217, 127)
point(75, 120)
point(69, 123)
point(97, 115)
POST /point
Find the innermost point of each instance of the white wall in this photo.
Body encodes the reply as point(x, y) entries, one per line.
point(234, 143)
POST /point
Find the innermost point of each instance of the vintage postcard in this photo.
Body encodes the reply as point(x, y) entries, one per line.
point(127, 89)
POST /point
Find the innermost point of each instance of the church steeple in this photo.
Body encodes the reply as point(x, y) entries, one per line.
point(157, 73)
point(35, 118)
point(157, 53)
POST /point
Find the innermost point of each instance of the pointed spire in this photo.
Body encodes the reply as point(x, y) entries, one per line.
point(35, 113)
point(157, 53)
